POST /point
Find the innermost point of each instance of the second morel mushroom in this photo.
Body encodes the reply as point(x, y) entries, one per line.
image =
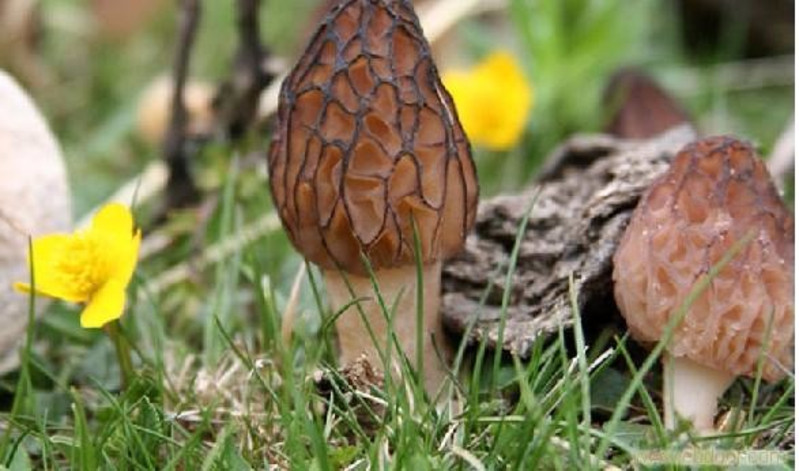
point(367, 152)
point(717, 200)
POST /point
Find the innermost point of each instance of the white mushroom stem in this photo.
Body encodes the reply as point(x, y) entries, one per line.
point(691, 391)
point(354, 338)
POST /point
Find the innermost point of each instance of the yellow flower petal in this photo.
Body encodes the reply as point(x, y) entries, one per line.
point(112, 226)
point(461, 86)
point(47, 251)
point(128, 257)
point(106, 305)
point(113, 219)
point(493, 101)
point(93, 265)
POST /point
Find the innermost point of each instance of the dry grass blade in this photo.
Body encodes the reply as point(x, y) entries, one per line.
point(290, 313)
point(216, 252)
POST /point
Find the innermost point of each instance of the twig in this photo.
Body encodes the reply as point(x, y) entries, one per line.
point(439, 17)
point(152, 180)
point(236, 102)
point(781, 161)
point(213, 254)
point(180, 187)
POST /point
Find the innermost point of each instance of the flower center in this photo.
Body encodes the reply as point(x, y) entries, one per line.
point(82, 266)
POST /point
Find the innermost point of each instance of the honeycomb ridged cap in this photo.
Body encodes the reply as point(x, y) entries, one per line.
point(367, 141)
point(717, 192)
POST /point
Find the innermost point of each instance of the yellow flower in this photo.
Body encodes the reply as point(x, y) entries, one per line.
point(493, 100)
point(91, 266)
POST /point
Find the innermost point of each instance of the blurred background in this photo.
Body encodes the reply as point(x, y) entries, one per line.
point(91, 65)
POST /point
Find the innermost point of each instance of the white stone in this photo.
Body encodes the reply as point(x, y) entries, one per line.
point(34, 200)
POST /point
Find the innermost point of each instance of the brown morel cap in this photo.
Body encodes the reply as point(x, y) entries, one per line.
point(716, 192)
point(366, 137)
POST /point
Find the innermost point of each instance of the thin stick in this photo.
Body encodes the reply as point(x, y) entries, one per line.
point(152, 180)
point(180, 188)
point(213, 254)
point(236, 103)
point(780, 162)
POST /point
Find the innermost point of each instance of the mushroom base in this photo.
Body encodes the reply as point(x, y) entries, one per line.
point(691, 391)
point(397, 287)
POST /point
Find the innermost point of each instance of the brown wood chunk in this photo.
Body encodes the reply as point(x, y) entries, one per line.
point(581, 209)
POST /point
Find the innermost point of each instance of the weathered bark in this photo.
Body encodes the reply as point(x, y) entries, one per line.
point(582, 203)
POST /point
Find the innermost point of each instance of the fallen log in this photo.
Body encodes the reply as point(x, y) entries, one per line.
point(578, 210)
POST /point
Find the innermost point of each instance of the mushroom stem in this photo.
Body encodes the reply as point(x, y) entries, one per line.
point(691, 391)
point(354, 338)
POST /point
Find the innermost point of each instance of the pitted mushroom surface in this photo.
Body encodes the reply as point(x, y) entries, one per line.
point(716, 193)
point(367, 147)
point(367, 137)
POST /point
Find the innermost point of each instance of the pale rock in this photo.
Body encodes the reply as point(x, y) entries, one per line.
point(34, 200)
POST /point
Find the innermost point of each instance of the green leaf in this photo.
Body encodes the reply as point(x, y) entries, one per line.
point(632, 434)
point(607, 388)
point(341, 457)
point(20, 461)
point(225, 455)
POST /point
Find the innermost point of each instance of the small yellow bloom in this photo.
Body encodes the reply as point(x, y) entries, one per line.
point(91, 266)
point(493, 100)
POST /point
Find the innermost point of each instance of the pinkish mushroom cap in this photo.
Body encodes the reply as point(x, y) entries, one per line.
point(716, 193)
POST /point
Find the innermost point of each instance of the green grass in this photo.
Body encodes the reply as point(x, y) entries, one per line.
point(220, 385)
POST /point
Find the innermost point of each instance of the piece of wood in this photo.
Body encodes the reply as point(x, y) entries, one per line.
point(181, 190)
point(583, 201)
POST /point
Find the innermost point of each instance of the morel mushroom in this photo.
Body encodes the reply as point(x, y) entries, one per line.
point(641, 108)
point(155, 107)
point(367, 147)
point(716, 193)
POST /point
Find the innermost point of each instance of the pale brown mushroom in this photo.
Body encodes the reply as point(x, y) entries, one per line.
point(642, 109)
point(368, 142)
point(154, 108)
point(716, 193)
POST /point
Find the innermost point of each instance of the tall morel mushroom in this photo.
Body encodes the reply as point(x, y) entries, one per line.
point(716, 194)
point(367, 146)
